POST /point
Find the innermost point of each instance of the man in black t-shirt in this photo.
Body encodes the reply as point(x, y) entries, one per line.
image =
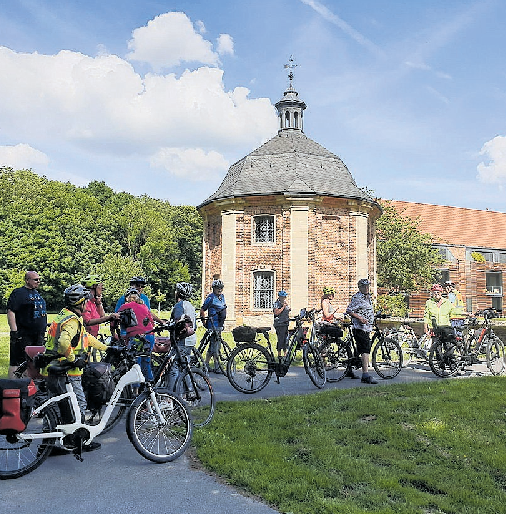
point(27, 318)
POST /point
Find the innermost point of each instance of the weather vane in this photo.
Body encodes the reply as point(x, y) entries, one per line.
point(291, 66)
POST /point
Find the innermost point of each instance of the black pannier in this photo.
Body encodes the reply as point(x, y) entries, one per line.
point(329, 329)
point(244, 334)
point(17, 398)
point(98, 384)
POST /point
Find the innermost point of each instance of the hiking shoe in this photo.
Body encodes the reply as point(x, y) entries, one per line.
point(368, 380)
point(350, 374)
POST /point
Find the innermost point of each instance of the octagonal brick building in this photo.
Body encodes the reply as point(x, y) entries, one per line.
point(287, 216)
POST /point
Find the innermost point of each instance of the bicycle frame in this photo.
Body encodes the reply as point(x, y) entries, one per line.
point(134, 375)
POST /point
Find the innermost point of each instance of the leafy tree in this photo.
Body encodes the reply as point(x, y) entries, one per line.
point(66, 232)
point(406, 260)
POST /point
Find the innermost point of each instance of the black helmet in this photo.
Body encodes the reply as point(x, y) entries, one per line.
point(218, 284)
point(184, 290)
point(138, 280)
point(76, 295)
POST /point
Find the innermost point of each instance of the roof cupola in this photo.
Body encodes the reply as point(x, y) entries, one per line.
point(290, 108)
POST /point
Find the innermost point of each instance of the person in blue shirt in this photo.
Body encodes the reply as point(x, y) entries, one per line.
point(216, 309)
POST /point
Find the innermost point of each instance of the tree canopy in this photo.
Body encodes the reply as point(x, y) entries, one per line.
point(65, 232)
point(406, 260)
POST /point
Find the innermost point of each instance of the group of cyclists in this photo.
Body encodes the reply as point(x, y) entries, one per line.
point(75, 329)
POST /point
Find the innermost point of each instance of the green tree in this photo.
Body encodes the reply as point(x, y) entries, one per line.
point(406, 260)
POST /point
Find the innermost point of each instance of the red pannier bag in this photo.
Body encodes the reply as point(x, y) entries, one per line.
point(17, 398)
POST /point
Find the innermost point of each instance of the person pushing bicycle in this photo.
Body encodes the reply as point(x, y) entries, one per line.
point(362, 313)
point(216, 309)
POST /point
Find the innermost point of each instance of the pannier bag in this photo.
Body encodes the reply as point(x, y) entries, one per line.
point(244, 334)
point(17, 398)
point(98, 384)
point(329, 329)
point(162, 345)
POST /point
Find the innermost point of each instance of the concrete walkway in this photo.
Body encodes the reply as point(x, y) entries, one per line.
point(117, 480)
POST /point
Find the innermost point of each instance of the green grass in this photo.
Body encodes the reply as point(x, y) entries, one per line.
point(424, 448)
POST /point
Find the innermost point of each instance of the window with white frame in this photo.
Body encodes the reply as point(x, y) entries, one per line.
point(264, 229)
point(263, 289)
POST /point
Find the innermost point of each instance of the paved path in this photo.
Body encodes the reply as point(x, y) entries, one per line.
point(116, 479)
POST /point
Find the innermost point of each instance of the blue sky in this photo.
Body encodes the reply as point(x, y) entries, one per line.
point(161, 97)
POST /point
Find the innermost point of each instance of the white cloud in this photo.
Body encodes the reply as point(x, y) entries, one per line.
point(101, 105)
point(22, 156)
point(495, 152)
point(225, 44)
point(168, 40)
point(200, 26)
point(191, 163)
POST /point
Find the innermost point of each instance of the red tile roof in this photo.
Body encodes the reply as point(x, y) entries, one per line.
point(456, 225)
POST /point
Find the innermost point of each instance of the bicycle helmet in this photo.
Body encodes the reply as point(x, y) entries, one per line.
point(92, 281)
point(184, 290)
point(363, 282)
point(283, 293)
point(138, 280)
point(436, 287)
point(328, 290)
point(218, 284)
point(76, 295)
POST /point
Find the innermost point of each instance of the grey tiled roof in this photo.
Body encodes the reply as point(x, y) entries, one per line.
point(289, 163)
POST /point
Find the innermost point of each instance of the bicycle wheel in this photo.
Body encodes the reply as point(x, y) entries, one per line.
point(336, 357)
point(159, 441)
point(249, 368)
point(313, 364)
point(18, 456)
point(387, 357)
point(444, 359)
point(197, 392)
point(495, 356)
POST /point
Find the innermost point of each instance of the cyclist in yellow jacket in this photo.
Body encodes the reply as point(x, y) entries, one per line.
point(439, 308)
point(68, 340)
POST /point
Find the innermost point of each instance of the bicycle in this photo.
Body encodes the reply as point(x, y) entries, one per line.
point(158, 426)
point(451, 353)
point(192, 385)
point(251, 365)
point(413, 348)
point(220, 358)
point(340, 353)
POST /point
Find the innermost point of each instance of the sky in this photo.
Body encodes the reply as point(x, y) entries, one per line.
point(162, 97)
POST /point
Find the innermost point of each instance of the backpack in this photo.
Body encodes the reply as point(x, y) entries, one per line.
point(98, 384)
point(17, 398)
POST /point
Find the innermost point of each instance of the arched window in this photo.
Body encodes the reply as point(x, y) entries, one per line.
point(296, 120)
point(263, 289)
point(287, 119)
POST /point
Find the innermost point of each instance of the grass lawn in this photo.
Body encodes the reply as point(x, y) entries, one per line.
point(424, 448)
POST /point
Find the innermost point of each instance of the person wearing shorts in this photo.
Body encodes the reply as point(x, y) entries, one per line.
point(362, 314)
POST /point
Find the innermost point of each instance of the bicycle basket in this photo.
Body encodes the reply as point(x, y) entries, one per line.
point(17, 398)
point(244, 334)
